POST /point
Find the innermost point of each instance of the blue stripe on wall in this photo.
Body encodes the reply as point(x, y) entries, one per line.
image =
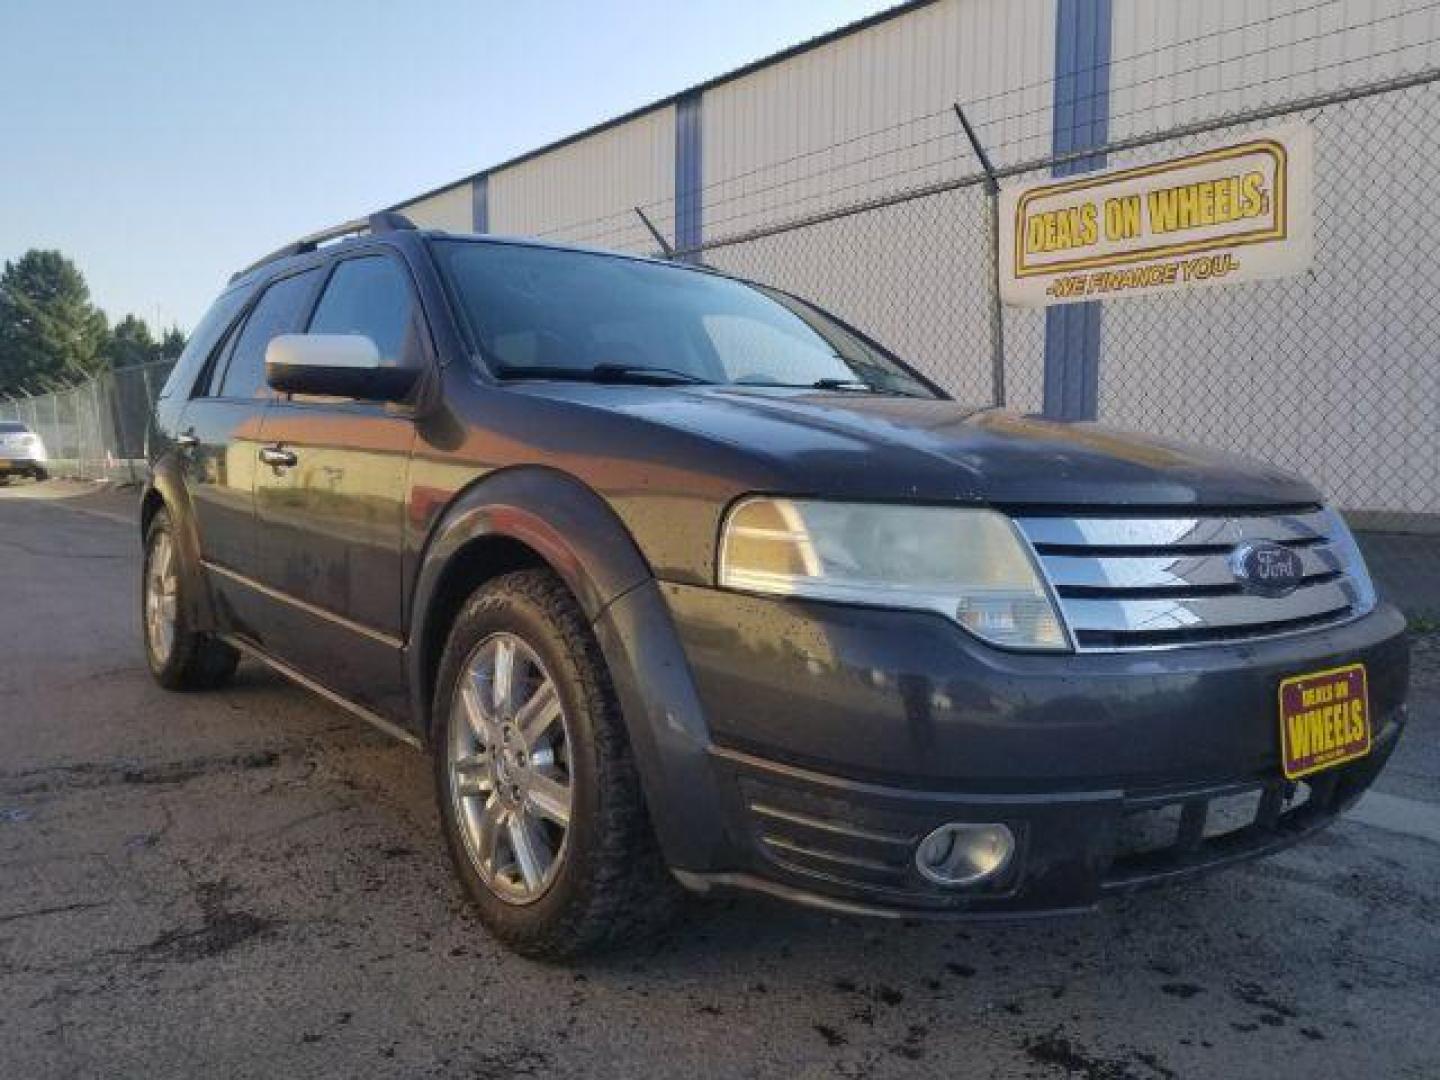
point(1081, 112)
point(480, 204)
point(688, 175)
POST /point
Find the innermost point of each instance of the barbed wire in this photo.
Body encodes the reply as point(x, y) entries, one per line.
point(1040, 113)
point(1106, 93)
point(1008, 92)
point(1219, 122)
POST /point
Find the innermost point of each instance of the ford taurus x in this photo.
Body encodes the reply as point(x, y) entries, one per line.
point(679, 578)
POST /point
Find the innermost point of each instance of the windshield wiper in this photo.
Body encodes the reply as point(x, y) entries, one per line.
point(642, 374)
point(859, 386)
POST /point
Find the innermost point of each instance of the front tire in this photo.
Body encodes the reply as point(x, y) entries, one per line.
point(539, 796)
point(180, 657)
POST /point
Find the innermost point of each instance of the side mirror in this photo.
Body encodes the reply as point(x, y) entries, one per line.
point(335, 365)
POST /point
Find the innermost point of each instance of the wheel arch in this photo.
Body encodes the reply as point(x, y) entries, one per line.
point(509, 520)
point(166, 490)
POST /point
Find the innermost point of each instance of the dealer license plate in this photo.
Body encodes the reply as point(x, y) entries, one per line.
point(1324, 720)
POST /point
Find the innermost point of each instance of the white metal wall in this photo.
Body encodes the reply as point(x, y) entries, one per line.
point(1177, 61)
point(1252, 356)
point(585, 192)
point(451, 209)
point(867, 115)
point(873, 111)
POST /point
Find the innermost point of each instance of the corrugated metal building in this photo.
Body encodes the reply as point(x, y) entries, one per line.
point(867, 112)
point(805, 119)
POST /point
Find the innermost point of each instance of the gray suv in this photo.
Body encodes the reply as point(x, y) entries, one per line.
point(681, 579)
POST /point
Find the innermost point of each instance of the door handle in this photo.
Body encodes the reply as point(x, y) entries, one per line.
point(277, 457)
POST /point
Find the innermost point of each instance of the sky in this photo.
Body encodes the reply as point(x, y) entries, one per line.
point(163, 145)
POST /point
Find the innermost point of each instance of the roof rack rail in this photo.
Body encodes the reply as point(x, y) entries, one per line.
point(385, 221)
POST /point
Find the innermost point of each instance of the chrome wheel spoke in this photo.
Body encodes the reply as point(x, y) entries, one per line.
point(549, 798)
point(472, 775)
point(504, 678)
point(487, 835)
point(477, 713)
point(532, 852)
point(536, 716)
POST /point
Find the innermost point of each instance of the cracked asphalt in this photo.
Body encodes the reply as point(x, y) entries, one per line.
point(251, 883)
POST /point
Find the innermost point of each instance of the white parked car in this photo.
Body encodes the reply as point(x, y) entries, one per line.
point(21, 452)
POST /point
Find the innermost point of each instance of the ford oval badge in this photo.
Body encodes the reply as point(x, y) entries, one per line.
point(1268, 569)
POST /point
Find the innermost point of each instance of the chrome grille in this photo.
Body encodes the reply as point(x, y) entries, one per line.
point(1139, 582)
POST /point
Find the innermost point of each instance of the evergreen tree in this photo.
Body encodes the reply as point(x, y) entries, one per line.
point(130, 344)
point(50, 332)
point(172, 344)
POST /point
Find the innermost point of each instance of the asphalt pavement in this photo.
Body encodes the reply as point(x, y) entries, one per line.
point(251, 883)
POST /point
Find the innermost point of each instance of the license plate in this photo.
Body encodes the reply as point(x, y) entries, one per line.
point(1324, 720)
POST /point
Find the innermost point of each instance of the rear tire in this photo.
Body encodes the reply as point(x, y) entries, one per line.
point(541, 803)
point(180, 657)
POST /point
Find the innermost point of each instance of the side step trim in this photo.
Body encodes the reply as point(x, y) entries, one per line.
point(305, 606)
point(280, 667)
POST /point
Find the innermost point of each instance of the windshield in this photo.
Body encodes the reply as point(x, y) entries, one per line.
point(549, 313)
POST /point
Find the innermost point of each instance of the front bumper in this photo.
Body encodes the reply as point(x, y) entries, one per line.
point(19, 466)
point(834, 844)
point(805, 749)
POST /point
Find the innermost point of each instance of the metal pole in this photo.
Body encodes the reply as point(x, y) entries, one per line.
point(997, 309)
point(121, 441)
point(664, 244)
point(149, 389)
point(84, 423)
point(55, 416)
point(100, 461)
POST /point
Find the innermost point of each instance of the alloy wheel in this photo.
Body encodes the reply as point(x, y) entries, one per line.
point(509, 761)
point(162, 588)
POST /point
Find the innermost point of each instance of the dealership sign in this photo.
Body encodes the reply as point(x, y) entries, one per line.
point(1235, 213)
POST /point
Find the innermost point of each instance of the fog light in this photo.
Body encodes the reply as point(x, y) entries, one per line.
point(964, 854)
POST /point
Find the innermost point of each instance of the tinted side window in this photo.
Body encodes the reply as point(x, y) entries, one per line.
point(369, 296)
point(203, 340)
point(280, 311)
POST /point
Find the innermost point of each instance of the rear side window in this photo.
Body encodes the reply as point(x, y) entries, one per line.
point(203, 340)
point(281, 310)
point(370, 296)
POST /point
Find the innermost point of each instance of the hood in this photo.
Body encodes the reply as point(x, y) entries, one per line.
point(870, 446)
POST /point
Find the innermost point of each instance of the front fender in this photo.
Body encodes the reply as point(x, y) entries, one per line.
point(577, 533)
point(562, 520)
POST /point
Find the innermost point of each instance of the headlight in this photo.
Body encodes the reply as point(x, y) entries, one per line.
point(970, 565)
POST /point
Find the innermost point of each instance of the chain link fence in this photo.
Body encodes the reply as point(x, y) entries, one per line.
point(95, 430)
point(1334, 374)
